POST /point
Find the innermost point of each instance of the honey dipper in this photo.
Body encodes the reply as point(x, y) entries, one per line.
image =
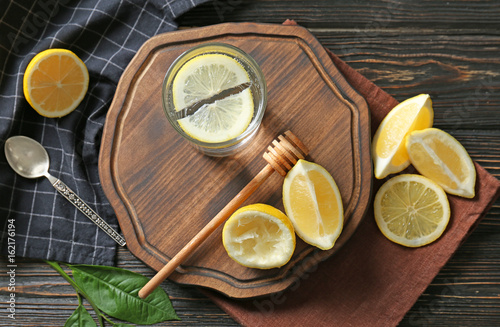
point(281, 158)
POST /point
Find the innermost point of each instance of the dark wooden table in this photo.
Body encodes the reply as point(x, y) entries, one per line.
point(448, 49)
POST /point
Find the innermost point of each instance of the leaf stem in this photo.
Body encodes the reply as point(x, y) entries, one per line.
point(108, 320)
point(77, 288)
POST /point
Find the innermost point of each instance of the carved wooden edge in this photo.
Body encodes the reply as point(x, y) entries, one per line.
point(135, 238)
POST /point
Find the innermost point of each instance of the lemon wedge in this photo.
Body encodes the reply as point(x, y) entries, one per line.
point(203, 77)
point(440, 157)
point(55, 82)
point(259, 236)
point(411, 210)
point(313, 203)
point(388, 147)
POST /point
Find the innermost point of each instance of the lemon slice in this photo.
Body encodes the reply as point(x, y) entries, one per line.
point(440, 157)
point(203, 77)
point(313, 203)
point(259, 236)
point(411, 210)
point(55, 82)
point(388, 146)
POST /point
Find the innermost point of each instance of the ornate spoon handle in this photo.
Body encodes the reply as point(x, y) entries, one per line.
point(87, 211)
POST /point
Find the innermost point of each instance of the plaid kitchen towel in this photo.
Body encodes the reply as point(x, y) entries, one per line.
point(105, 35)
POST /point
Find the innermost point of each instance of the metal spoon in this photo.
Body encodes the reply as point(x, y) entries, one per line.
point(29, 159)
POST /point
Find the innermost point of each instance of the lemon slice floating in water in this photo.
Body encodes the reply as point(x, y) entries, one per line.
point(203, 77)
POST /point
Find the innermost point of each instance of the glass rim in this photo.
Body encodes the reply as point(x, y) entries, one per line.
point(215, 47)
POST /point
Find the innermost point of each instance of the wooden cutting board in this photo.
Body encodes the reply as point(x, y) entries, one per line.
point(163, 191)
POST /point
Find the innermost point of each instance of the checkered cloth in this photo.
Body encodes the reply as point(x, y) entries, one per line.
point(105, 34)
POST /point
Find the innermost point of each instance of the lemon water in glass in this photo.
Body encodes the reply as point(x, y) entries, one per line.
point(214, 96)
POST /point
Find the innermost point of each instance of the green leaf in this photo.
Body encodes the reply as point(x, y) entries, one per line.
point(115, 291)
point(80, 318)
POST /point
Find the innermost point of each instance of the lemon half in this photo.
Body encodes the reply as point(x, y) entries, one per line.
point(55, 82)
point(259, 236)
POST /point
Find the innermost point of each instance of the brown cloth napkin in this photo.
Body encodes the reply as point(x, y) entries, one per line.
point(370, 281)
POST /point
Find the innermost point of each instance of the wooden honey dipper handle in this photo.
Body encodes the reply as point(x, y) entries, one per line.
point(290, 145)
point(202, 235)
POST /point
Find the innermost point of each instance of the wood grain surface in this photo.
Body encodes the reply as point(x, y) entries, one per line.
point(158, 184)
point(448, 49)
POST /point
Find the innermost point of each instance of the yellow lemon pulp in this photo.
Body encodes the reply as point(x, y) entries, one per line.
point(55, 82)
point(313, 203)
point(411, 210)
point(388, 146)
point(259, 236)
point(202, 77)
point(440, 157)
